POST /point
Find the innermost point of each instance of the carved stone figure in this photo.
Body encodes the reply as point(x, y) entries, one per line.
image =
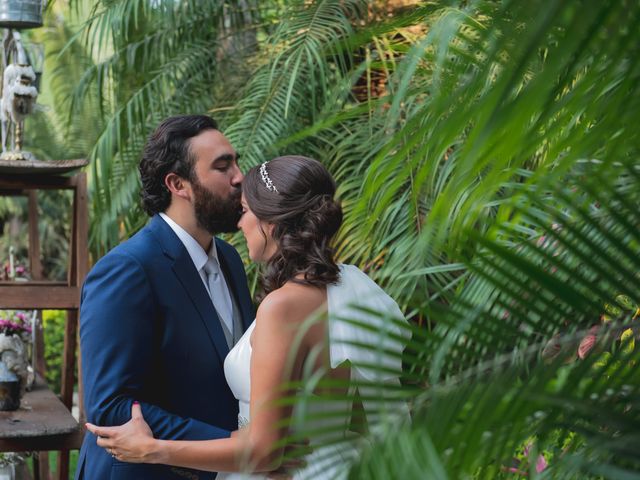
point(19, 96)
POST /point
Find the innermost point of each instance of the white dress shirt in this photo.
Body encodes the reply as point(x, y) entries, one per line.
point(200, 258)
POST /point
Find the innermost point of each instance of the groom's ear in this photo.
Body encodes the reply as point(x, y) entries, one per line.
point(178, 186)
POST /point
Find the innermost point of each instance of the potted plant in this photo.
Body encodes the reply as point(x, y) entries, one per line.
point(15, 334)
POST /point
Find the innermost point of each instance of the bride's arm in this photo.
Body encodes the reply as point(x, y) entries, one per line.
point(252, 448)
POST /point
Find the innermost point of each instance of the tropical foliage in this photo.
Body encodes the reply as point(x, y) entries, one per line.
point(487, 157)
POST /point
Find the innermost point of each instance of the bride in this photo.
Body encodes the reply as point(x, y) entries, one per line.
point(289, 219)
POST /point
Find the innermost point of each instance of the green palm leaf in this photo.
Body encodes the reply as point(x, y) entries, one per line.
point(486, 157)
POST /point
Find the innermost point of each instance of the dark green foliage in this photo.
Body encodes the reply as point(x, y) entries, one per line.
point(487, 160)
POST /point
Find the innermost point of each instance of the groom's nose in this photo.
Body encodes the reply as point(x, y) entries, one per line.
point(237, 176)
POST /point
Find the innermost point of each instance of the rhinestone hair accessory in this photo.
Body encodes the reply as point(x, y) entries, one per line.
point(265, 178)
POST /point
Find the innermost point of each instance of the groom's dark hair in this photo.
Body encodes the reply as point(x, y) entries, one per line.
point(167, 151)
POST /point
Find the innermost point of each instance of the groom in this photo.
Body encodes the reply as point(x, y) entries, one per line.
point(160, 311)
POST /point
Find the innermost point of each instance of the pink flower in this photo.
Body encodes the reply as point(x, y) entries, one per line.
point(541, 464)
point(15, 323)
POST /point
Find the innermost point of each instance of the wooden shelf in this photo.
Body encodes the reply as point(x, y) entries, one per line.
point(41, 423)
point(22, 175)
point(27, 296)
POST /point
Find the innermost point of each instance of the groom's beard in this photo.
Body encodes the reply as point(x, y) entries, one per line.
point(216, 214)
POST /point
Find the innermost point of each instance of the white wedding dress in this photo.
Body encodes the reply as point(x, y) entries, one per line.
point(353, 298)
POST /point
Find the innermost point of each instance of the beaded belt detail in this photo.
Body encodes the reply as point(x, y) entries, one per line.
point(242, 421)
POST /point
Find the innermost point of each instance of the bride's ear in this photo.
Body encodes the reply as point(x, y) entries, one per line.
point(269, 228)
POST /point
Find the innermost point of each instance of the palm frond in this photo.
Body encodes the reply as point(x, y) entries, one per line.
point(297, 78)
point(494, 384)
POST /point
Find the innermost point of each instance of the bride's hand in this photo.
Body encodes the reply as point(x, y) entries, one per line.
point(132, 442)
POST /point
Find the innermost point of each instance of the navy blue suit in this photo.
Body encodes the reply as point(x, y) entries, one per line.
point(149, 332)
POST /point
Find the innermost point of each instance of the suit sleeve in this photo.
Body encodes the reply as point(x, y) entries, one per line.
point(117, 323)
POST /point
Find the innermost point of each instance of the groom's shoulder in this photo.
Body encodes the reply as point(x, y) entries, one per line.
point(142, 246)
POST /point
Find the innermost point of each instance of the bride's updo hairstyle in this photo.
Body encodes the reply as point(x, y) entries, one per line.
point(295, 194)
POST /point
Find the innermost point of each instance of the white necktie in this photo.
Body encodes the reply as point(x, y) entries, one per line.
point(219, 293)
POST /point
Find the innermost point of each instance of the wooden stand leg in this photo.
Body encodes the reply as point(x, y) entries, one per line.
point(68, 380)
point(82, 416)
point(35, 267)
point(63, 465)
point(81, 232)
point(42, 461)
point(36, 467)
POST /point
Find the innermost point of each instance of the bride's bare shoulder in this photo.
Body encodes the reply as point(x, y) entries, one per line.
point(293, 302)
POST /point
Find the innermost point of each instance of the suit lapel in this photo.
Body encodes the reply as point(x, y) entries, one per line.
point(189, 277)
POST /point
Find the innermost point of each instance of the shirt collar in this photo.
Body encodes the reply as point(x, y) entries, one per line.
point(196, 252)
